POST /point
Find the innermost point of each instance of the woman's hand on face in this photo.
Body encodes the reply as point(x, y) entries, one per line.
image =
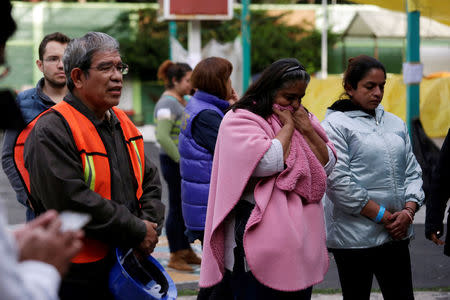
point(285, 116)
point(301, 120)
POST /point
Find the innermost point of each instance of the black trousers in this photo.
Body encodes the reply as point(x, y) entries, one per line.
point(241, 284)
point(390, 263)
point(87, 281)
point(246, 287)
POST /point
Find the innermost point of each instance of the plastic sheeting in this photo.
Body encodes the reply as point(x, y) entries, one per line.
point(391, 24)
point(438, 10)
point(231, 51)
point(321, 93)
point(434, 100)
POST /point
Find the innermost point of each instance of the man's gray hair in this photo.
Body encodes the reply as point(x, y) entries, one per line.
point(79, 52)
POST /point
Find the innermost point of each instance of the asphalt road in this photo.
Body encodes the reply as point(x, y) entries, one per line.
point(431, 269)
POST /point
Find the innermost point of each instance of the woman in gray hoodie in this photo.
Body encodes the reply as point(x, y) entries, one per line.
point(374, 190)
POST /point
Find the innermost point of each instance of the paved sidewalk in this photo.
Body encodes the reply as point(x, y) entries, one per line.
point(189, 281)
point(183, 280)
point(431, 269)
point(374, 296)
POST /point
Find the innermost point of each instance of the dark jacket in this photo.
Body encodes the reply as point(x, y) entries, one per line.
point(440, 193)
point(427, 155)
point(57, 180)
point(31, 103)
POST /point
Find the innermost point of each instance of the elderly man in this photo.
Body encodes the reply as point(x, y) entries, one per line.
point(85, 155)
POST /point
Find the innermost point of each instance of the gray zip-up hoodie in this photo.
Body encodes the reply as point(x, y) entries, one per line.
point(375, 161)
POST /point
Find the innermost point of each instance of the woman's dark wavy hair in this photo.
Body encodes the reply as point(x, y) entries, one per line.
point(260, 95)
point(357, 69)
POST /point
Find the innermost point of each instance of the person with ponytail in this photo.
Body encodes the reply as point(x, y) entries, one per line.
point(374, 190)
point(168, 112)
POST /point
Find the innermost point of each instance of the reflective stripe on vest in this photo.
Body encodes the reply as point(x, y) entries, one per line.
point(94, 160)
point(135, 145)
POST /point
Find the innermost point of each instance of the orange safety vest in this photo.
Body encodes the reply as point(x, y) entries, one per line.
point(94, 159)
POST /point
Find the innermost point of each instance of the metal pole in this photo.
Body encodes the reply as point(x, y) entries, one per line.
point(375, 48)
point(246, 44)
point(138, 116)
point(344, 55)
point(172, 35)
point(38, 35)
point(324, 61)
point(412, 56)
point(194, 43)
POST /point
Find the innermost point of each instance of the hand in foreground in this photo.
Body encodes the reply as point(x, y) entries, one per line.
point(147, 246)
point(435, 239)
point(42, 240)
point(398, 226)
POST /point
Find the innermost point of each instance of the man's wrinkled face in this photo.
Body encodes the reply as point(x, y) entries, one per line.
point(51, 64)
point(101, 87)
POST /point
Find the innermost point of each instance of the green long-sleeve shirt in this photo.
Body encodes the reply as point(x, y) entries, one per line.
point(168, 113)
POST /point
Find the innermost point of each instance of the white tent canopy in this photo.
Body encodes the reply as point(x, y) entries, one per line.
point(390, 24)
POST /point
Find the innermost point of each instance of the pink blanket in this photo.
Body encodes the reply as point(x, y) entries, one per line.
point(284, 240)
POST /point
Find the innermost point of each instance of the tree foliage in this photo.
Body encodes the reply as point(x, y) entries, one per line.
point(145, 44)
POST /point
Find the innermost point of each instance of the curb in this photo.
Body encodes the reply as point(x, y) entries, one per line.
point(373, 296)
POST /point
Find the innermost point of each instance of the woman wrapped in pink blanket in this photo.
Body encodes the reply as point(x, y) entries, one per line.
point(264, 232)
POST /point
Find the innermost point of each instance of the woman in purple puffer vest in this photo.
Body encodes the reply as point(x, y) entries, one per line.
point(199, 128)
